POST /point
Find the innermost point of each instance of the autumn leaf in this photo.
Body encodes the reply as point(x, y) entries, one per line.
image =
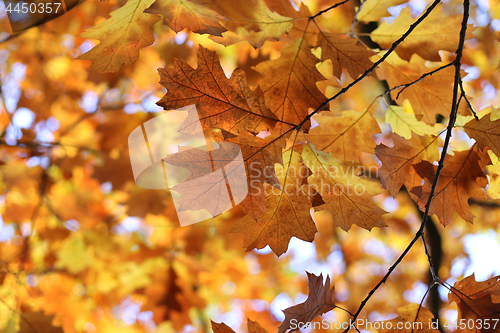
point(38, 320)
point(493, 172)
point(478, 302)
point(373, 10)
point(260, 156)
point(191, 14)
point(122, 36)
point(250, 21)
point(412, 318)
point(346, 195)
point(429, 97)
point(227, 104)
point(320, 300)
point(398, 161)
point(344, 53)
point(287, 210)
point(213, 174)
point(486, 133)
point(253, 327)
point(404, 123)
point(435, 33)
point(289, 85)
point(346, 136)
point(461, 178)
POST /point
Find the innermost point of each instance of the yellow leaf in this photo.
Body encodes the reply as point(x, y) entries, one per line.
point(122, 36)
point(373, 10)
point(433, 34)
point(347, 196)
point(73, 255)
point(404, 123)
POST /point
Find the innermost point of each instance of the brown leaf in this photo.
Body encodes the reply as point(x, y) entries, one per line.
point(38, 322)
point(461, 178)
point(478, 303)
point(344, 53)
point(319, 301)
point(287, 210)
point(260, 156)
point(217, 179)
point(227, 104)
point(345, 137)
point(485, 132)
point(289, 85)
point(253, 327)
point(397, 162)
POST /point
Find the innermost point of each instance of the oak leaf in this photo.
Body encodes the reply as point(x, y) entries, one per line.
point(287, 212)
point(253, 327)
point(191, 14)
point(213, 174)
point(493, 171)
point(461, 178)
point(419, 317)
point(320, 300)
point(289, 85)
point(252, 21)
point(344, 53)
point(397, 162)
point(435, 33)
point(346, 195)
point(345, 137)
point(373, 10)
point(122, 36)
point(227, 104)
point(429, 97)
point(486, 133)
point(478, 302)
point(260, 156)
point(405, 123)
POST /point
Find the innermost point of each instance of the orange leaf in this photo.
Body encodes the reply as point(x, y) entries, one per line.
point(289, 85)
point(397, 162)
point(345, 137)
point(344, 53)
point(287, 210)
point(223, 103)
point(478, 302)
point(485, 132)
point(429, 97)
point(461, 178)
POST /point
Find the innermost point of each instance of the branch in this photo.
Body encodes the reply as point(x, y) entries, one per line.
point(453, 115)
point(375, 65)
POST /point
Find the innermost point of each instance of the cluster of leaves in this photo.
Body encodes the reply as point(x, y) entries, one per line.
point(331, 124)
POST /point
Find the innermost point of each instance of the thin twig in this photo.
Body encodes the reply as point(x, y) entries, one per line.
point(355, 20)
point(328, 9)
point(375, 65)
point(453, 115)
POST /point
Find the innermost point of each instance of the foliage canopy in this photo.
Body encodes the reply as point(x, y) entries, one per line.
point(375, 116)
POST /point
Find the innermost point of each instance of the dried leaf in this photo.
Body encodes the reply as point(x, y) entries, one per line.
point(319, 301)
point(478, 303)
point(398, 161)
point(461, 178)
